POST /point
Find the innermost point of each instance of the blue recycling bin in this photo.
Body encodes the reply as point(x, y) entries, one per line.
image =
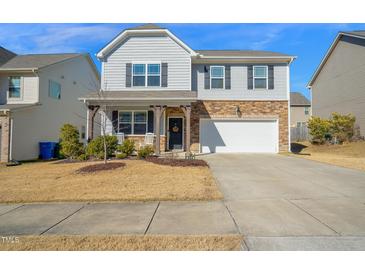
point(47, 150)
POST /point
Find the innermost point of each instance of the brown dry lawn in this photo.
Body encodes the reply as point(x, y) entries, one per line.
point(125, 242)
point(350, 155)
point(137, 181)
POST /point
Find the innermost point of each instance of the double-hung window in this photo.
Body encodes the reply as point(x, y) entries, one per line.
point(306, 110)
point(260, 77)
point(146, 75)
point(14, 87)
point(217, 77)
point(132, 122)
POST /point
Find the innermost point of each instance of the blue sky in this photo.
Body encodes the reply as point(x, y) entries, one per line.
point(308, 42)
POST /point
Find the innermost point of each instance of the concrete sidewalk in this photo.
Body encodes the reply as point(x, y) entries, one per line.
point(116, 218)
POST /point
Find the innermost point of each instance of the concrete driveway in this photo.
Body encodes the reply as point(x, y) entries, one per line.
point(286, 203)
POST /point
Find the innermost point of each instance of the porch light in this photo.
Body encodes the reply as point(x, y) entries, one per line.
point(238, 111)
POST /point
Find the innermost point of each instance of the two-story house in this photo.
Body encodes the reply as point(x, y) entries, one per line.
point(38, 94)
point(300, 110)
point(193, 100)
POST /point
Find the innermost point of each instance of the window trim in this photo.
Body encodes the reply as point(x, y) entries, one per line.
point(132, 121)
point(223, 77)
point(256, 77)
point(49, 89)
point(21, 89)
point(146, 73)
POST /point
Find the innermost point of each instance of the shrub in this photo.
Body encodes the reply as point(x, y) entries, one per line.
point(121, 155)
point(70, 147)
point(342, 127)
point(319, 129)
point(96, 146)
point(127, 147)
point(82, 157)
point(145, 151)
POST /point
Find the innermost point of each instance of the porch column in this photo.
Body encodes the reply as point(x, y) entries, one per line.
point(5, 136)
point(158, 110)
point(92, 110)
point(187, 113)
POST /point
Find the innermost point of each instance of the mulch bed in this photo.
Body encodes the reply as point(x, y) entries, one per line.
point(176, 162)
point(99, 167)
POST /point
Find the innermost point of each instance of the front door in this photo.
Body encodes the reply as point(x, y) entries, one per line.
point(175, 133)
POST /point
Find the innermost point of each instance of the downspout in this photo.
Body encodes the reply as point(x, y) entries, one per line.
point(11, 140)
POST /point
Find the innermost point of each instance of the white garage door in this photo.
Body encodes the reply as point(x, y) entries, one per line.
point(239, 136)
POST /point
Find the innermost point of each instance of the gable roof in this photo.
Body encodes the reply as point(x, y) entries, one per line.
point(5, 55)
point(298, 99)
point(149, 29)
point(36, 61)
point(357, 34)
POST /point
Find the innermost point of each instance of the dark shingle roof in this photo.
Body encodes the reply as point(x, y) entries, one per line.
point(298, 99)
point(146, 26)
point(36, 60)
point(356, 32)
point(5, 55)
point(243, 53)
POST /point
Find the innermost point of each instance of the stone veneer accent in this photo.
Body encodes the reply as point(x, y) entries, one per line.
point(249, 109)
point(5, 137)
point(139, 140)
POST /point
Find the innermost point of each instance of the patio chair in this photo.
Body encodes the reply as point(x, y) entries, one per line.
point(120, 137)
point(148, 139)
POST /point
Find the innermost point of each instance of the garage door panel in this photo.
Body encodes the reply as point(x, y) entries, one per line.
point(239, 136)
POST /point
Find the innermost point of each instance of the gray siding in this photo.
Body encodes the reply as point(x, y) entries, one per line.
point(297, 114)
point(147, 49)
point(29, 89)
point(340, 86)
point(239, 90)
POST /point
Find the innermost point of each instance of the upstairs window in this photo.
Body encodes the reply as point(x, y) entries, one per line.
point(139, 75)
point(14, 87)
point(260, 79)
point(54, 90)
point(146, 75)
point(217, 77)
point(153, 75)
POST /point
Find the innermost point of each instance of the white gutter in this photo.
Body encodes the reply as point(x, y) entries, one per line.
point(136, 99)
point(248, 57)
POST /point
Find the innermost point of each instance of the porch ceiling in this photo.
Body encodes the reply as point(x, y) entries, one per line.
point(141, 97)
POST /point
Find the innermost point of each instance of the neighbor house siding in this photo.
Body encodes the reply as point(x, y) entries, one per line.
point(340, 86)
point(43, 122)
point(239, 87)
point(297, 114)
point(147, 49)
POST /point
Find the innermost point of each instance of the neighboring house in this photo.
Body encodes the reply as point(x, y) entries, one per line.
point(193, 100)
point(38, 94)
point(338, 84)
point(300, 109)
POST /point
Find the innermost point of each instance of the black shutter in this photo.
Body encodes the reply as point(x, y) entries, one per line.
point(164, 74)
point(128, 75)
point(150, 121)
point(206, 77)
point(250, 77)
point(115, 120)
point(271, 76)
point(227, 75)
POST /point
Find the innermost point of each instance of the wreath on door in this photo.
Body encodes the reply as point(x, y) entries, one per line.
point(175, 129)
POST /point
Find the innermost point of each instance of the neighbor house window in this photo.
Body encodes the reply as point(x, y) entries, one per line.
point(14, 87)
point(146, 75)
point(217, 77)
point(260, 78)
point(133, 122)
point(306, 110)
point(54, 90)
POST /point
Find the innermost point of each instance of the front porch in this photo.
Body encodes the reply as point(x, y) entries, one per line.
point(167, 118)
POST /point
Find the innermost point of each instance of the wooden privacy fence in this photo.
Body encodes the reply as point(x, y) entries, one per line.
point(298, 134)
